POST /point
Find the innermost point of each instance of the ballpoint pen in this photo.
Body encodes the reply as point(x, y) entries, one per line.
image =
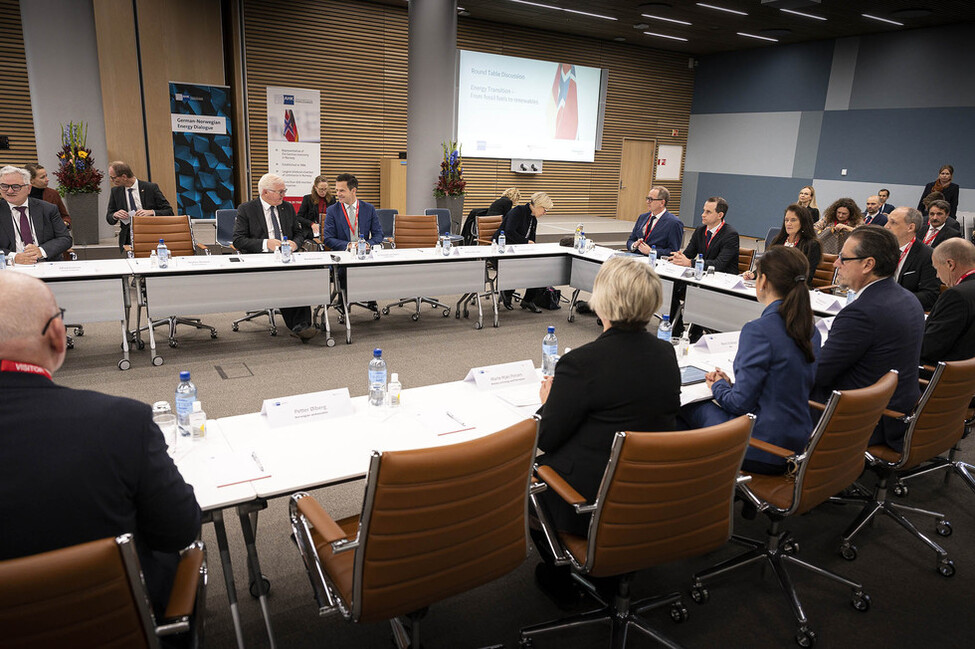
point(454, 417)
point(257, 461)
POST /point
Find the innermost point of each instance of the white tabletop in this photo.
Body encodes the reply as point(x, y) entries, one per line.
point(221, 263)
point(195, 460)
point(66, 270)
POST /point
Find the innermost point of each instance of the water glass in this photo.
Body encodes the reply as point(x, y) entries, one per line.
point(167, 424)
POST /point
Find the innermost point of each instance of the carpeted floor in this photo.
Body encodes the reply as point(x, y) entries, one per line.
point(912, 605)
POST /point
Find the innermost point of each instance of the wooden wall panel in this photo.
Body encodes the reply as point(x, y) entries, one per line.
point(16, 118)
point(361, 71)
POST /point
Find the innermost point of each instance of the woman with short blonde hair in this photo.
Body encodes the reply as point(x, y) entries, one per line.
point(519, 225)
point(626, 293)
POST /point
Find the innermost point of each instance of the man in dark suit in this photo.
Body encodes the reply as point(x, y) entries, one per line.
point(940, 227)
point(132, 197)
point(949, 332)
point(262, 225)
point(77, 465)
point(880, 331)
point(873, 215)
point(31, 230)
point(714, 239)
point(885, 207)
point(657, 228)
point(914, 269)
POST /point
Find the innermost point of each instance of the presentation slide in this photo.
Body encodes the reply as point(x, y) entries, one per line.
point(510, 107)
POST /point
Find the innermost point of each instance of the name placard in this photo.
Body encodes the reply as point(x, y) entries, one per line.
point(667, 269)
point(826, 302)
point(719, 343)
point(492, 377)
point(724, 280)
point(303, 408)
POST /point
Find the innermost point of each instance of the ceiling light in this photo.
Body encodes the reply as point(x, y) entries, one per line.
point(571, 11)
point(763, 38)
point(730, 11)
point(673, 38)
point(669, 20)
point(883, 20)
point(799, 13)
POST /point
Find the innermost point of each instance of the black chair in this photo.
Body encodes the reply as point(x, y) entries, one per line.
point(225, 228)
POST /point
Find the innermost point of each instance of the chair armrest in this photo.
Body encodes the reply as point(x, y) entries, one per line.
point(127, 247)
point(182, 598)
point(560, 486)
point(893, 414)
point(929, 368)
point(202, 248)
point(827, 288)
point(818, 406)
point(923, 381)
point(320, 520)
point(770, 448)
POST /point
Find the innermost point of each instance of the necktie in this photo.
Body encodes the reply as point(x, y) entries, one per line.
point(25, 233)
point(707, 238)
point(131, 200)
point(930, 237)
point(274, 222)
point(646, 230)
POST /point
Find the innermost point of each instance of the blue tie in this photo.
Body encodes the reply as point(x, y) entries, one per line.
point(131, 200)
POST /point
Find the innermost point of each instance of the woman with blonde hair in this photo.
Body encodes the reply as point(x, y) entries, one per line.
point(504, 203)
point(807, 199)
point(313, 206)
point(519, 226)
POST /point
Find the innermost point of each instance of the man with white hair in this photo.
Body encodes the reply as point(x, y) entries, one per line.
point(78, 465)
point(31, 230)
point(949, 332)
point(262, 225)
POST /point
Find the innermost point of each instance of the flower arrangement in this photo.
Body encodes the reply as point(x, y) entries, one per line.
point(76, 172)
point(451, 180)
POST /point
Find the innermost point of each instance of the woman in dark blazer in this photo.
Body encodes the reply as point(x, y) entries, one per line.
point(313, 206)
point(505, 202)
point(519, 226)
point(944, 185)
point(775, 366)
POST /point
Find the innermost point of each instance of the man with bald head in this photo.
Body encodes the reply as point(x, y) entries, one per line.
point(78, 465)
point(949, 332)
point(872, 214)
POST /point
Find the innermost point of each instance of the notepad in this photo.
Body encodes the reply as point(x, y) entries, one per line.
point(520, 396)
point(237, 467)
point(442, 422)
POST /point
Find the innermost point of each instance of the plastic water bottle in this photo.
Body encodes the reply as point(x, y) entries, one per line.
point(377, 379)
point(3, 261)
point(665, 331)
point(652, 257)
point(699, 267)
point(285, 250)
point(395, 387)
point(501, 241)
point(162, 253)
point(446, 245)
point(185, 396)
point(578, 234)
point(582, 243)
point(360, 248)
point(550, 349)
point(439, 248)
point(684, 347)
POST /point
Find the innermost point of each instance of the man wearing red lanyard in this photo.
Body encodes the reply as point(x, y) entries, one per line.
point(78, 465)
point(940, 226)
point(914, 269)
point(350, 218)
point(949, 332)
point(714, 239)
point(657, 228)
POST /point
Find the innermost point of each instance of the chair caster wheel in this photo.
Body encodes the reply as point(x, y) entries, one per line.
point(375, 315)
point(174, 343)
point(678, 613)
point(700, 595)
point(900, 490)
point(236, 327)
point(790, 547)
point(124, 364)
point(525, 643)
point(330, 342)
point(79, 331)
point(141, 345)
point(253, 587)
point(385, 310)
point(274, 332)
point(446, 313)
point(848, 551)
point(70, 344)
point(572, 318)
point(415, 317)
point(946, 568)
point(944, 528)
point(805, 637)
point(341, 320)
point(457, 315)
point(213, 334)
point(861, 601)
point(478, 326)
point(157, 360)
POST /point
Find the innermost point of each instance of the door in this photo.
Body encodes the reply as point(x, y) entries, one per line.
point(636, 167)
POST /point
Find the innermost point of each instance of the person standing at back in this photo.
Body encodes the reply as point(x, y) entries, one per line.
point(131, 196)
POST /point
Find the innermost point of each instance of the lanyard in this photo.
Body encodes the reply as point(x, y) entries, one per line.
point(972, 271)
point(930, 236)
point(906, 250)
point(713, 235)
point(23, 368)
point(353, 231)
point(647, 229)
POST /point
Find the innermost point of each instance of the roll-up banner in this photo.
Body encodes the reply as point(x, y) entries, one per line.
point(294, 149)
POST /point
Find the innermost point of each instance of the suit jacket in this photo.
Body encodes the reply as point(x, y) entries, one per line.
point(308, 213)
point(336, 233)
point(880, 218)
point(887, 208)
point(951, 229)
point(919, 276)
point(667, 234)
point(879, 332)
point(79, 466)
point(723, 251)
point(518, 225)
point(951, 195)
point(250, 228)
point(152, 199)
point(500, 206)
point(623, 380)
point(773, 380)
point(949, 332)
point(52, 234)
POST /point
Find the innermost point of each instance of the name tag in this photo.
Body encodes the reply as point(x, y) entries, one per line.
point(492, 377)
point(724, 280)
point(303, 408)
point(719, 343)
point(826, 302)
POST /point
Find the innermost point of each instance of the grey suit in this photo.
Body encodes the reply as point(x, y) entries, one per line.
point(51, 232)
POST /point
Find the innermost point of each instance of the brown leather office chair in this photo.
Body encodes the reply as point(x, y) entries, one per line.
point(831, 461)
point(825, 273)
point(435, 522)
point(934, 428)
point(486, 227)
point(93, 595)
point(664, 496)
point(417, 231)
point(745, 258)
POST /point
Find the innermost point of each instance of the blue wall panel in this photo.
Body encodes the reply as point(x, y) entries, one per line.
point(788, 78)
point(755, 203)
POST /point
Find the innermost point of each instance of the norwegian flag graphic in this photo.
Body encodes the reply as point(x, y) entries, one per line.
point(290, 127)
point(565, 96)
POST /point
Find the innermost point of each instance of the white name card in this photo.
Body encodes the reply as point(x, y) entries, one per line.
point(303, 408)
point(725, 280)
point(492, 377)
point(667, 269)
point(823, 326)
point(719, 343)
point(826, 302)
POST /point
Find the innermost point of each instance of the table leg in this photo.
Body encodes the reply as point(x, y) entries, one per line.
point(480, 312)
point(572, 305)
point(494, 303)
point(348, 320)
point(216, 517)
point(248, 526)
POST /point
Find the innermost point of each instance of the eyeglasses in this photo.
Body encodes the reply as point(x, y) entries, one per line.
point(279, 192)
point(650, 199)
point(59, 314)
point(843, 259)
point(11, 188)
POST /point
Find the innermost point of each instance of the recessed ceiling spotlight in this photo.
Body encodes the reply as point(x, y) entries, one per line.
point(761, 38)
point(730, 11)
point(669, 20)
point(673, 38)
point(641, 26)
point(883, 20)
point(571, 11)
point(799, 13)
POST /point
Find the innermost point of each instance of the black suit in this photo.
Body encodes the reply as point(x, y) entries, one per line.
point(722, 253)
point(886, 208)
point(623, 380)
point(250, 231)
point(51, 232)
point(79, 466)
point(919, 276)
point(951, 229)
point(152, 199)
point(949, 332)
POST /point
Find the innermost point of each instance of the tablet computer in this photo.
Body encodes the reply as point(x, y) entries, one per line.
point(691, 374)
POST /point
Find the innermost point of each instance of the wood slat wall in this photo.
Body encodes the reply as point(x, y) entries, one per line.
point(361, 72)
point(16, 118)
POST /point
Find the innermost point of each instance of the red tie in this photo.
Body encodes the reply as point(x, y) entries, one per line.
point(25, 233)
